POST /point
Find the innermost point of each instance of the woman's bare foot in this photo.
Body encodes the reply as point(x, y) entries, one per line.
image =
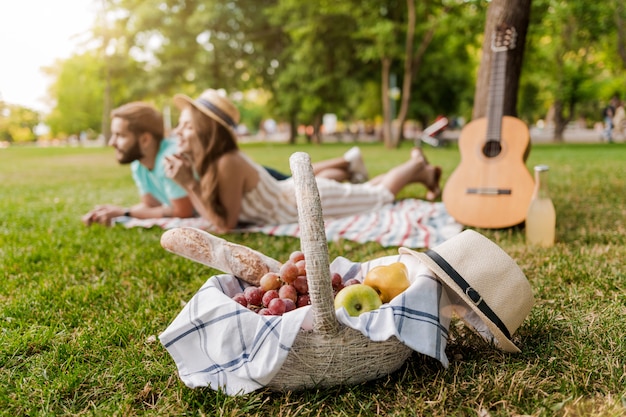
point(434, 191)
point(431, 175)
point(419, 154)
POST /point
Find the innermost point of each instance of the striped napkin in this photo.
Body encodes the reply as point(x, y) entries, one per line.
point(217, 343)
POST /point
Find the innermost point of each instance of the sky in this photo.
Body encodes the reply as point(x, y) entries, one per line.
point(33, 34)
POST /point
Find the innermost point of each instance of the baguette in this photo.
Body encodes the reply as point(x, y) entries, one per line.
point(207, 249)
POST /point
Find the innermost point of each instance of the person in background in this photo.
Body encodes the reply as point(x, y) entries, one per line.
point(608, 115)
point(137, 134)
point(618, 120)
point(227, 188)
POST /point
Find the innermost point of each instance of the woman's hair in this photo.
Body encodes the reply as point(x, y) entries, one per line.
point(142, 118)
point(214, 140)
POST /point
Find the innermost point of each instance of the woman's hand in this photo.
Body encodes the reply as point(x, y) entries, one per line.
point(179, 168)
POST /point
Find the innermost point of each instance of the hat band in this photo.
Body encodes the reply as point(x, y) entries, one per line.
point(468, 290)
point(226, 118)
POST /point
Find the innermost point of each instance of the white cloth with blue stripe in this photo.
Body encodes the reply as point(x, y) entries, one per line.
point(218, 343)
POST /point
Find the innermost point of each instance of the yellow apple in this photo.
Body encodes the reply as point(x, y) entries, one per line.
point(388, 280)
point(357, 299)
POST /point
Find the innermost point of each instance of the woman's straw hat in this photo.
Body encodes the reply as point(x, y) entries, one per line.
point(489, 291)
point(214, 105)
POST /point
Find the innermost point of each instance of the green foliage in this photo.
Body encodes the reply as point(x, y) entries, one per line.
point(81, 307)
point(79, 89)
point(323, 56)
point(17, 124)
point(567, 59)
point(317, 60)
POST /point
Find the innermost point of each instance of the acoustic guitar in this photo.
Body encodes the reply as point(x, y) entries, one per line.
point(491, 187)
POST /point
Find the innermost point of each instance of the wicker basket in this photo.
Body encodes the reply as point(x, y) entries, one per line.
point(329, 354)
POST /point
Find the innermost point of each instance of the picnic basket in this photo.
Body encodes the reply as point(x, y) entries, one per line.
point(330, 353)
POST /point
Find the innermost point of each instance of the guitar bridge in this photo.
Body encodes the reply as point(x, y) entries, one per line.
point(489, 191)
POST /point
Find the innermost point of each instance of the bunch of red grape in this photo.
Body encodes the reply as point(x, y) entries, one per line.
point(281, 292)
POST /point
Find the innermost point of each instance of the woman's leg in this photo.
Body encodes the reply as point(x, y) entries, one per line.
point(349, 167)
point(337, 174)
point(415, 170)
point(432, 175)
point(334, 164)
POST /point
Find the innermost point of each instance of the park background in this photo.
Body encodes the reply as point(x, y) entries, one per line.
point(367, 63)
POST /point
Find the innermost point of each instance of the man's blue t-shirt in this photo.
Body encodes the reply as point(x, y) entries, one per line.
point(155, 182)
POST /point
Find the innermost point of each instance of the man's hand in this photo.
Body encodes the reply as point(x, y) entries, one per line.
point(103, 215)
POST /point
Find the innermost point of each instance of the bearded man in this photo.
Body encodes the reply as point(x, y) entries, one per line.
point(137, 134)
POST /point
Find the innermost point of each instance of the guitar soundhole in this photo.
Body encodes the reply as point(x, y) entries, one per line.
point(492, 148)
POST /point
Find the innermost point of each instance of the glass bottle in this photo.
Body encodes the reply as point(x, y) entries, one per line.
point(541, 216)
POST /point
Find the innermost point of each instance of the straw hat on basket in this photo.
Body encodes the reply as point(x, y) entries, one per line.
point(490, 291)
point(214, 105)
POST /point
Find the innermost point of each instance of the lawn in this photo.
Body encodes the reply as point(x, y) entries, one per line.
point(82, 307)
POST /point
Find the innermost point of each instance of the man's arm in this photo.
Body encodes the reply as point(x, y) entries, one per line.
point(151, 208)
point(148, 208)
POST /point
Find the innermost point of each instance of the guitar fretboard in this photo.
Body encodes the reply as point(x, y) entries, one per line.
point(496, 96)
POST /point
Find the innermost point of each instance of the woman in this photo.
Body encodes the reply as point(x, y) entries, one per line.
point(228, 188)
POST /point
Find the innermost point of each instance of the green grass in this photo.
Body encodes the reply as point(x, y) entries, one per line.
point(81, 306)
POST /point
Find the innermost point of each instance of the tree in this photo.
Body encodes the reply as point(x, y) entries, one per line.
point(569, 57)
point(620, 23)
point(380, 30)
point(17, 123)
point(516, 14)
point(319, 61)
point(79, 88)
point(414, 57)
point(390, 34)
point(324, 56)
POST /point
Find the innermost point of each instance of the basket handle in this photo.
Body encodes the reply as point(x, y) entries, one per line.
point(313, 244)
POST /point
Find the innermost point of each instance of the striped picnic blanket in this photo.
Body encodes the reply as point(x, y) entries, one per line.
point(409, 222)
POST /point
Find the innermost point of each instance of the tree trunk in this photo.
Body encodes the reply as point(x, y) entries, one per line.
point(106, 108)
point(293, 130)
point(385, 72)
point(412, 68)
point(407, 80)
point(621, 33)
point(560, 122)
point(515, 13)
point(317, 130)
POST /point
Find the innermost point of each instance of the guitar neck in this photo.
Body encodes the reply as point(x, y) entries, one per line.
point(496, 96)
